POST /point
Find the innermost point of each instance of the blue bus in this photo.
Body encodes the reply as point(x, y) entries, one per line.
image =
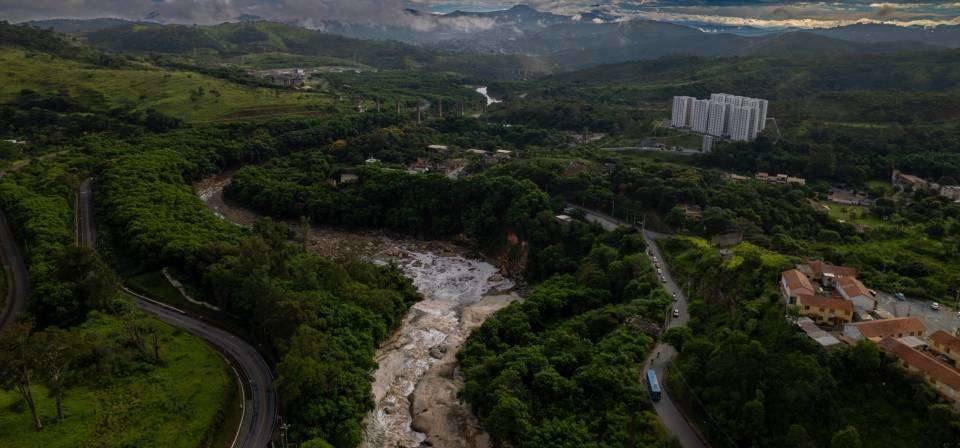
point(653, 385)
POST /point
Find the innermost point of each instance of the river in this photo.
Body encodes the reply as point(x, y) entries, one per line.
point(416, 383)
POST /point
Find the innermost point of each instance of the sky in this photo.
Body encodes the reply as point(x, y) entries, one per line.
point(755, 13)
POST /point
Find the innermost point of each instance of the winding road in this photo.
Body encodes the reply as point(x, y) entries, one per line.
point(661, 356)
point(18, 278)
point(260, 399)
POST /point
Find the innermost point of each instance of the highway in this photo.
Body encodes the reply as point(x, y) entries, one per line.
point(661, 356)
point(18, 278)
point(259, 395)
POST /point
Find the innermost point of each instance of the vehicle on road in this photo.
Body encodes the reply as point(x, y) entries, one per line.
point(872, 292)
point(958, 314)
point(663, 279)
point(676, 312)
point(675, 298)
point(899, 296)
point(653, 385)
point(935, 306)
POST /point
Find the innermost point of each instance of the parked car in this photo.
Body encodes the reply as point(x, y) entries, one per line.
point(676, 312)
point(899, 296)
point(935, 306)
point(872, 292)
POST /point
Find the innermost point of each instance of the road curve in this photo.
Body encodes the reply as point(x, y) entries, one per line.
point(18, 278)
point(260, 403)
point(661, 356)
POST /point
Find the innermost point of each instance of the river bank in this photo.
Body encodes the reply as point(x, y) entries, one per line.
point(416, 383)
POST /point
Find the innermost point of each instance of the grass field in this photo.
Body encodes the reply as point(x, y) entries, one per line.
point(172, 405)
point(176, 93)
point(854, 214)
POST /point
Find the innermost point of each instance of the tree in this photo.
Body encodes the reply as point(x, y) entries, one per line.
point(678, 336)
point(846, 438)
point(18, 364)
point(797, 437)
point(58, 351)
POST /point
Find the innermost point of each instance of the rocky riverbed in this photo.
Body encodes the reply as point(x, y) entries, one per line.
point(417, 379)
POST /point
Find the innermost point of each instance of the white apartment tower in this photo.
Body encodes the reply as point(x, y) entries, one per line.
point(736, 117)
point(718, 119)
point(700, 118)
point(682, 110)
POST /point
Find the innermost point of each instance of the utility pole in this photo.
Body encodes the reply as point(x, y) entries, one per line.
point(418, 113)
point(441, 108)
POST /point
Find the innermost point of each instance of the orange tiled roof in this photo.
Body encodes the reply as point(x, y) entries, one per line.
point(830, 303)
point(944, 339)
point(796, 281)
point(890, 327)
point(922, 362)
point(818, 267)
point(853, 287)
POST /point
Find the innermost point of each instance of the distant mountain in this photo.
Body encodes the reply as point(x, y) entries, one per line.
point(228, 40)
point(78, 26)
point(942, 36)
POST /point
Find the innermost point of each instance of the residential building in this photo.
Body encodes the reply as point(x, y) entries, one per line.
point(707, 144)
point(700, 116)
point(825, 310)
point(743, 122)
point(826, 340)
point(825, 273)
point(946, 344)
point(503, 154)
point(794, 284)
point(905, 181)
point(348, 178)
point(886, 328)
point(853, 290)
point(681, 112)
point(941, 377)
point(950, 192)
point(727, 116)
point(437, 147)
point(717, 125)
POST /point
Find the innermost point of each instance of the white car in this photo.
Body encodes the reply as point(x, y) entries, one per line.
point(675, 298)
point(935, 306)
point(676, 312)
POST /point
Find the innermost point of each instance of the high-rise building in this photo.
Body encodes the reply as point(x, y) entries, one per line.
point(700, 118)
point(718, 119)
point(682, 110)
point(739, 118)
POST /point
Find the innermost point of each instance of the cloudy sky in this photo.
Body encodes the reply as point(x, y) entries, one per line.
point(756, 13)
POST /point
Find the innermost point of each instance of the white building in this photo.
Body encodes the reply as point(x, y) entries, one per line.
point(682, 110)
point(718, 119)
point(723, 115)
point(700, 116)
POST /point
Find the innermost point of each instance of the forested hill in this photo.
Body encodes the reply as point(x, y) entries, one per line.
point(229, 40)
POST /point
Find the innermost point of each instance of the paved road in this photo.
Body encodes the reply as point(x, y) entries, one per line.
point(18, 278)
point(945, 319)
point(666, 408)
point(260, 399)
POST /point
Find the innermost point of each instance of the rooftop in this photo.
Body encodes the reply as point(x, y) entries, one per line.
point(830, 303)
point(796, 281)
point(944, 339)
point(821, 337)
point(878, 329)
point(937, 371)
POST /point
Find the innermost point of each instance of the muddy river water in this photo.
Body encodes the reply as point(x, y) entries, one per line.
point(416, 383)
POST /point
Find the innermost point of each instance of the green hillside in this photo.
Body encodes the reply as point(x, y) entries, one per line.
point(188, 96)
point(225, 42)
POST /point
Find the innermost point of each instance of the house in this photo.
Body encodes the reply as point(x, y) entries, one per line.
point(825, 310)
point(887, 328)
point(437, 147)
point(793, 284)
point(564, 219)
point(950, 192)
point(826, 274)
point(853, 290)
point(692, 211)
point(503, 154)
point(372, 161)
point(349, 178)
point(826, 340)
point(941, 377)
point(946, 344)
point(796, 180)
point(737, 178)
point(478, 152)
point(905, 181)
